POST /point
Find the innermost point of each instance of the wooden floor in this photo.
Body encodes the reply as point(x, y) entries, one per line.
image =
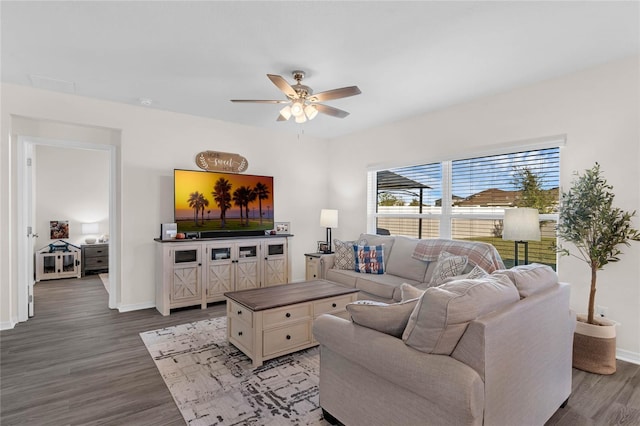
point(79, 363)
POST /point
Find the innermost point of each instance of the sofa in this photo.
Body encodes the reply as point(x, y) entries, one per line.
point(488, 350)
point(403, 262)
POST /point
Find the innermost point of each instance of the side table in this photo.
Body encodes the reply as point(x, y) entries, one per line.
point(314, 264)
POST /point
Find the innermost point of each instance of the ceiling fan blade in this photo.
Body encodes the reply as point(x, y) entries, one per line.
point(343, 92)
point(334, 112)
point(281, 118)
point(257, 101)
point(282, 84)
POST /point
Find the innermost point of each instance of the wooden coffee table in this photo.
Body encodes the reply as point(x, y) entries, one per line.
point(268, 322)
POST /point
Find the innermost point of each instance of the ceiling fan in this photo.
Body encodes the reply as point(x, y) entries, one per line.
point(303, 105)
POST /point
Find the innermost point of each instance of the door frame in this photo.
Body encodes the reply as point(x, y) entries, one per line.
point(25, 148)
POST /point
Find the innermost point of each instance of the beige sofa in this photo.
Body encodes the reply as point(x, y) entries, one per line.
point(401, 267)
point(511, 365)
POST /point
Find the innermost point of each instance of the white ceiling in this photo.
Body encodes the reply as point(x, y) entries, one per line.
point(407, 58)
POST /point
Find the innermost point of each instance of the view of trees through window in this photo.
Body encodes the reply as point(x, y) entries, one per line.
point(466, 199)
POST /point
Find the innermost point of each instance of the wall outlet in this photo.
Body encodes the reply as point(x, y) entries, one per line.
point(602, 311)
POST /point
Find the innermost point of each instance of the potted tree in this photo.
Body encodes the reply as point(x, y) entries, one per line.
point(596, 229)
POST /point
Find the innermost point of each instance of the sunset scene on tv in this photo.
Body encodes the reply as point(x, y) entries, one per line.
point(210, 201)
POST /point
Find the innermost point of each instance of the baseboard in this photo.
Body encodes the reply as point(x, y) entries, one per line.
point(136, 307)
point(628, 356)
point(8, 325)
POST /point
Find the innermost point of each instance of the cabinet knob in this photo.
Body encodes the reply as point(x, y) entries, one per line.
point(333, 305)
point(288, 337)
point(239, 333)
point(288, 315)
point(239, 312)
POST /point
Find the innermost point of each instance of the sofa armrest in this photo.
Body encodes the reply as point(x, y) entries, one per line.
point(326, 262)
point(438, 378)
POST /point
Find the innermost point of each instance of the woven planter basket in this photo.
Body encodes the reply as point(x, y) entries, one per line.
point(594, 346)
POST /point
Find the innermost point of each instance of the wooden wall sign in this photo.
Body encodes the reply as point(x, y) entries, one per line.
point(215, 161)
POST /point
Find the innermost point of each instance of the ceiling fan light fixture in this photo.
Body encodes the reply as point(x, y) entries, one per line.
point(286, 112)
point(301, 118)
point(297, 109)
point(311, 111)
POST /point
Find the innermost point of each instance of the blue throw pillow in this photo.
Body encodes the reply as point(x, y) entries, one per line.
point(369, 259)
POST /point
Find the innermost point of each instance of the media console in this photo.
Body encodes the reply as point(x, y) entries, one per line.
point(199, 271)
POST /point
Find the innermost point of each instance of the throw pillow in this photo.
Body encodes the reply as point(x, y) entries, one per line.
point(448, 265)
point(442, 314)
point(410, 292)
point(383, 317)
point(369, 259)
point(344, 257)
point(476, 272)
point(531, 279)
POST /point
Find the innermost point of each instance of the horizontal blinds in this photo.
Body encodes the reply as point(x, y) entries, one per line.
point(410, 186)
point(491, 181)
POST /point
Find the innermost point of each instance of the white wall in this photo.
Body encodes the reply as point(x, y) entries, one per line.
point(151, 144)
point(73, 185)
point(598, 111)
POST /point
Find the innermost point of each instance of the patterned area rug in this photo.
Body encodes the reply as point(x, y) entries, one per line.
point(213, 383)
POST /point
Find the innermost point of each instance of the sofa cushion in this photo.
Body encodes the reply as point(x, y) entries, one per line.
point(387, 318)
point(344, 257)
point(385, 286)
point(343, 277)
point(531, 279)
point(441, 316)
point(401, 263)
point(448, 266)
point(369, 259)
point(376, 240)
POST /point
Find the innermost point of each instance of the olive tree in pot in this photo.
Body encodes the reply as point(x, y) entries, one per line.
point(596, 229)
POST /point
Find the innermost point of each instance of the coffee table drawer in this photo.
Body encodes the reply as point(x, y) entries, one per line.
point(282, 339)
point(285, 315)
point(334, 304)
point(241, 333)
point(239, 313)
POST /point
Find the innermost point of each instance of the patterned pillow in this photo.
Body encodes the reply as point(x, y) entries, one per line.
point(345, 257)
point(448, 265)
point(369, 259)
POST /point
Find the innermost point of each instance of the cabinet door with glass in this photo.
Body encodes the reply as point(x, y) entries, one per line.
point(247, 265)
point(220, 268)
point(185, 281)
point(275, 265)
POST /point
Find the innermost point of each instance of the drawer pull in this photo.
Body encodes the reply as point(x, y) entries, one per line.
point(288, 315)
point(239, 333)
point(333, 305)
point(288, 337)
point(239, 312)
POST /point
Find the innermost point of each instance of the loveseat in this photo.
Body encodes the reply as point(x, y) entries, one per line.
point(405, 260)
point(494, 350)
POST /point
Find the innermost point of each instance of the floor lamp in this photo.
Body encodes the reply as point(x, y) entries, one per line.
point(329, 219)
point(521, 225)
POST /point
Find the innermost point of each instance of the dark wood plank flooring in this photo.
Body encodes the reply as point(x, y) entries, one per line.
point(79, 363)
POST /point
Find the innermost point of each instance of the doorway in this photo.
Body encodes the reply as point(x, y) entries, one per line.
point(26, 169)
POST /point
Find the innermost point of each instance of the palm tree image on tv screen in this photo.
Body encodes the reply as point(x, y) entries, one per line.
point(210, 201)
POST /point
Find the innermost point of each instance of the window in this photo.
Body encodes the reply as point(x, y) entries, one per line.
point(466, 198)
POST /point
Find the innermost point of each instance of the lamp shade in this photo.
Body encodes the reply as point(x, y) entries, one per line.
point(329, 218)
point(89, 228)
point(521, 224)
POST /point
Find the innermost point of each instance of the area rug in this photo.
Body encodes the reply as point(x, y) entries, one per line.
point(213, 383)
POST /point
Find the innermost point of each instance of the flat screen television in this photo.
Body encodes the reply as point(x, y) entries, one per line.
point(217, 204)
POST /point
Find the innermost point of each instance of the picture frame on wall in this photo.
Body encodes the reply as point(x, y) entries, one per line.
point(282, 227)
point(58, 229)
